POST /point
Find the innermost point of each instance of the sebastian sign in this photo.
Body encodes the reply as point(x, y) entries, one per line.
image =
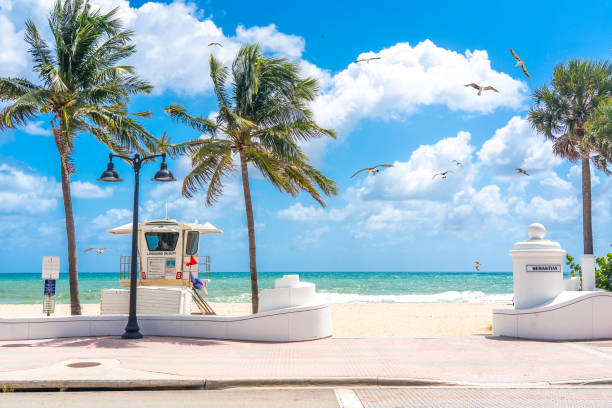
point(543, 268)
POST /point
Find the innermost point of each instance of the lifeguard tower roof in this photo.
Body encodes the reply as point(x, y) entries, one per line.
point(172, 225)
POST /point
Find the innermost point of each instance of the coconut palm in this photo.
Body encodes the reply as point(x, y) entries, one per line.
point(599, 134)
point(561, 113)
point(82, 90)
point(262, 117)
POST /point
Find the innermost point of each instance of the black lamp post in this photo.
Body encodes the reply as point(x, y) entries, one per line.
point(132, 331)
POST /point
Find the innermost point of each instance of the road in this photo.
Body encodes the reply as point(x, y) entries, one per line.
point(318, 398)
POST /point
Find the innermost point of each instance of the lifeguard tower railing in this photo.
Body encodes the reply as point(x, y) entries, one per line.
point(125, 267)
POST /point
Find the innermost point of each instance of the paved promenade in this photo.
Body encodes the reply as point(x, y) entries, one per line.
point(159, 361)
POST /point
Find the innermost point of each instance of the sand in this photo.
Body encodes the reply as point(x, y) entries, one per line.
point(354, 319)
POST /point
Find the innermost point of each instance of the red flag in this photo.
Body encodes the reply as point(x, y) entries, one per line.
point(192, 261)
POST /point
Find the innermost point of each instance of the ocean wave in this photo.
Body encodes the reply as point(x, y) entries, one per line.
point(449, 296)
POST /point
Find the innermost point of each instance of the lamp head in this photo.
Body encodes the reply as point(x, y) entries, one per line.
point(163, 174)
point(110, 175)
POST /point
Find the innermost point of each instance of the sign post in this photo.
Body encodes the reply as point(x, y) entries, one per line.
point(50, 273)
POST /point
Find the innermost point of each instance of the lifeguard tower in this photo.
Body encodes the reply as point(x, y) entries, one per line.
point(170, 269)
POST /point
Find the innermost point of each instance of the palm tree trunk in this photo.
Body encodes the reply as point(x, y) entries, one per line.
point(251, 228)
point(73, 277)
point(587, 226)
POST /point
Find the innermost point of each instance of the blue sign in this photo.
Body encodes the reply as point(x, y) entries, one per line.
point(49, 287)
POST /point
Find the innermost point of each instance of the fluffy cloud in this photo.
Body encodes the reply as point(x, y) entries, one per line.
point(12, 58)
point(517, 145)
point(37, 129)
point(405, 198)
point(86, 189)
point(272, 40)
point(407, 77)
point(24, 192)
point(112, 218)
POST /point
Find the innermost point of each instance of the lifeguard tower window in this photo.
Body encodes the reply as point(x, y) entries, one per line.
point(191, 247)
point(161, 241)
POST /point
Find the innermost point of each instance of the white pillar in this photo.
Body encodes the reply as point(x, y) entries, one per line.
point(588, 272)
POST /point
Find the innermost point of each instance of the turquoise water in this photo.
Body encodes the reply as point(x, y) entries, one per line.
point(335, 287)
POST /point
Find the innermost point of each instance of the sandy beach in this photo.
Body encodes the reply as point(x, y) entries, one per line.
point(353, 319)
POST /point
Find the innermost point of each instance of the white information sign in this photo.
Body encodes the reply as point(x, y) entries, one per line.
point(156, 268)
point(50, 267)
point(543, 268)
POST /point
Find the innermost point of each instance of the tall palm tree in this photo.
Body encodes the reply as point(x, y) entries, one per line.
point(81, 89)
point(561, 113)
point(262, 117)
point(599, 134)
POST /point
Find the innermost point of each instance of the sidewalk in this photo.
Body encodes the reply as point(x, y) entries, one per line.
point(200, 363)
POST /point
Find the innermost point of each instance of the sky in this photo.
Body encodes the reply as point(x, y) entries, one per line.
point(409, 109)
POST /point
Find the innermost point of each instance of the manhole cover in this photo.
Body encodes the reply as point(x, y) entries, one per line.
point(84, 364)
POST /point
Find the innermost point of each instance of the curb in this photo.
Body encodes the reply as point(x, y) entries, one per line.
point(63, 385)
point(223, 383)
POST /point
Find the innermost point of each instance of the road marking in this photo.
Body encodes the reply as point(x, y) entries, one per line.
point(590, 350)
point(347, 398)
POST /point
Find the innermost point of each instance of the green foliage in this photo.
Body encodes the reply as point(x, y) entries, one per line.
point(575, 268)
point(603, 272)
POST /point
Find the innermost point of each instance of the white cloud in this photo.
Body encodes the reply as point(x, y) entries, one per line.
point(517, 145)
point(575, 174)
point(555, 210)
point(24, 192)
point(12, 58)
point(407, 77)
point(112, 218)
point(37, 129)
point(86, 189)
point(272, 40)
point(298, 212)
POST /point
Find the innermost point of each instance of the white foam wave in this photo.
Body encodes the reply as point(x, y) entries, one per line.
point(449, 296)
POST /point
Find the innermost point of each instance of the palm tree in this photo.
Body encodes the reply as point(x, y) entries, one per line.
point(82, 89)
point(599, 134)
point(561, 113)
point(262, 117)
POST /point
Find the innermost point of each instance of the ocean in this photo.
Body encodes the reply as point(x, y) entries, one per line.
point(335, 287)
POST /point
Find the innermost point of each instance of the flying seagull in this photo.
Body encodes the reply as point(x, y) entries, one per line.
point(215, 43)
point(521, 171)
point(99, 251)
point(481, 88)
point(477, 265)
point(458, 163)
point(367, 59)
point(519, 62)
point(372, 170)
point(443, 174)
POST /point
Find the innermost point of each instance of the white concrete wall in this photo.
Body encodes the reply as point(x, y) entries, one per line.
point(286, 325)
point(585, 316)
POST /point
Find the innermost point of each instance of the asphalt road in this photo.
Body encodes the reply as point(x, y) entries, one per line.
point(318, 398)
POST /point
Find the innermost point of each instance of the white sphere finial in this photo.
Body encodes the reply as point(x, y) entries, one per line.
point(536, 231)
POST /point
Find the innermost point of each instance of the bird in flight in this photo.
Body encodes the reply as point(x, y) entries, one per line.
point(442, 174)
point(477, 265)
point(521, 171)
point(99, 251)
point(481, 88)
point(367, 59)
point(458, 163)
point(519, 62)
point(372, 170)
point(215, 43)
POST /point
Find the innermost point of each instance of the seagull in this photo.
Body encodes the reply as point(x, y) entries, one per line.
point(367, 59)
point(372, 170)
point(481, 88)
point(443, 174)
point(99, 251)
point(521, 171)
point(458, 163)
point(477, 265)
point(519, 62)
point(215, 43)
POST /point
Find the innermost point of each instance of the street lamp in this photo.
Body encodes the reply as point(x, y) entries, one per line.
point(132, 331)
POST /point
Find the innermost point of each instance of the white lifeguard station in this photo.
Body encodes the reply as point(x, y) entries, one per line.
point(169, 263)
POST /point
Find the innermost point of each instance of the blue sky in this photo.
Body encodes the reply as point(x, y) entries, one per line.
point(409, 108)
